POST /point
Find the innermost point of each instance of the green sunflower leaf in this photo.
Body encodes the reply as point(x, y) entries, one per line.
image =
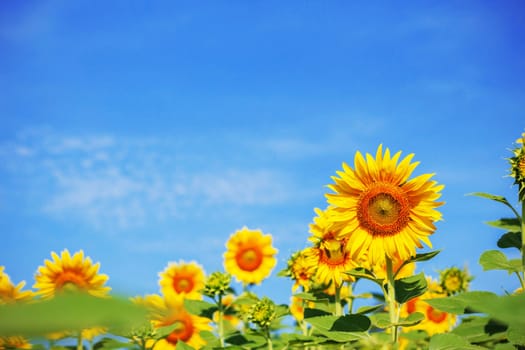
point(499, 199)
point(510, 240)
point(412, 319)
point(496, 260)
point(422, 257)
point(69, 312)
point(361, 272)
point(183, 346)
point(309, 312)
point(410, 287)
point(306, 296)
point(510, 224)
point(347, 323)
point(200, 308)
point(451, 341)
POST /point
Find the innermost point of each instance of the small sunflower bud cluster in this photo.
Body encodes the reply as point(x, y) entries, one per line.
point(454, 280)
point(517, 166)
point(218, 283)
point(143, 333)
point(262, 313)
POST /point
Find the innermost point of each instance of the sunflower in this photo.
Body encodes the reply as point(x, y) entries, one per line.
point(169, 311)
point(68, 272)
point(330, 254)
point(400, 270)
point(185, 279)
point(435, 321)
point(383, 212)
point(250, 256)
point(300, 270)
point(14, 342)
point(10, 293)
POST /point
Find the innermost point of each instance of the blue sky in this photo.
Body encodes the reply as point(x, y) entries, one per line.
point(148, 132)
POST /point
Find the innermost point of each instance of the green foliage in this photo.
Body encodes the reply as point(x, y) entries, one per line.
point(496, 260)
point(68, 312)
point(410, 287)
point(451, 341)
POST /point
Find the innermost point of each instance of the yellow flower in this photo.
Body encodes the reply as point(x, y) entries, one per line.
point(383, 212)
point(300, 270)
point(379, 270)
point(330, 254)
point(68, 272)
point(14, 342)
point(169, 311)
point(517, 164)
point(250, 256)
point(185, 279)
point(435, 321)
point(229, 311)
point(9, 293)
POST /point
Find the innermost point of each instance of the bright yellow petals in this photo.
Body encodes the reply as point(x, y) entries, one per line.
point(169, 311)
point(185, 279)
point(70, 273)
point(249, 256)
point(435, 321)
point(14, 342)
point(10, 293)
point(301, 270)
point(383, 212)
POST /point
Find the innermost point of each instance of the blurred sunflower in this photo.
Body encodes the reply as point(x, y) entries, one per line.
point(10, 293)
point(14, 342)
point(383, 212)
point(300, 270)
point(70, 273)
point(169, 311)
point(249, 256)
point(435, 321)
point(185, 279)
point(399, 270)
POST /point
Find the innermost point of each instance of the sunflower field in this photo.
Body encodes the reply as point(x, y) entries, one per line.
point(377, 225)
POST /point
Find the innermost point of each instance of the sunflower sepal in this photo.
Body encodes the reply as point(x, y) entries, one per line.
point(410, 287)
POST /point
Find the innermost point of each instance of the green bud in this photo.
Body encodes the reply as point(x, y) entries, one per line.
point(218, 283)
point(263, 312)
point(454, 280)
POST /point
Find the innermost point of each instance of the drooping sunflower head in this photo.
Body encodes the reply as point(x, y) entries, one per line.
point(250, 256)
point(11, 293)
point(182, 278)
point(517, 166)
point(384, 212)
point(436, 321)
point(169, 311)
point(70, 273)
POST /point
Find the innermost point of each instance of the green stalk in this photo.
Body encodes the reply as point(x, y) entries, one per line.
point(391, 298)
point(269, 338)
point(522, 220)
point(79, 341)
point(221, 321)
point(338, 308)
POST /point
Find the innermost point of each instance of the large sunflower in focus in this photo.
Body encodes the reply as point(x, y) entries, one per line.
point(70, 273)
point(383, 211)
point(250, 256)
point(185, 279)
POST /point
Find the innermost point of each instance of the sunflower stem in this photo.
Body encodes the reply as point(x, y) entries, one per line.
point(269, 338)
point(80, 346)
point(522, 220)
point(391, 298)
point(221, 320)
point(338, 308)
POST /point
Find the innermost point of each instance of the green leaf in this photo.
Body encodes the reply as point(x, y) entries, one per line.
point(410, 287)
point(510, 224)
point(343, 337)
point(412, 319)
point(422, 257)
point(347, 323)
point(306, 296)
point(200, 308)
point(111, 343)
point(183, 346)
point(496, 260)
point(368, 308)
point(361, 272)
point(308, 312)
point(516, 335)
point(508, 309)
point(251, 340)
point(460, 303)
point(481, 329)
point(69, 312)
point(493, 197)
point(381, 320)
point(450, 341)
point(510, 240)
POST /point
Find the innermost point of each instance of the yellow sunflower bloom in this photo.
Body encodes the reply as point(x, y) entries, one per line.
point(383, 211)
point(185, 279)
point(68, 272)
point(14, 342)
point(250, 256)
point(301, 271)
point(169, 310)
point(10, 293)
point(400, 271)
point(435, 321)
